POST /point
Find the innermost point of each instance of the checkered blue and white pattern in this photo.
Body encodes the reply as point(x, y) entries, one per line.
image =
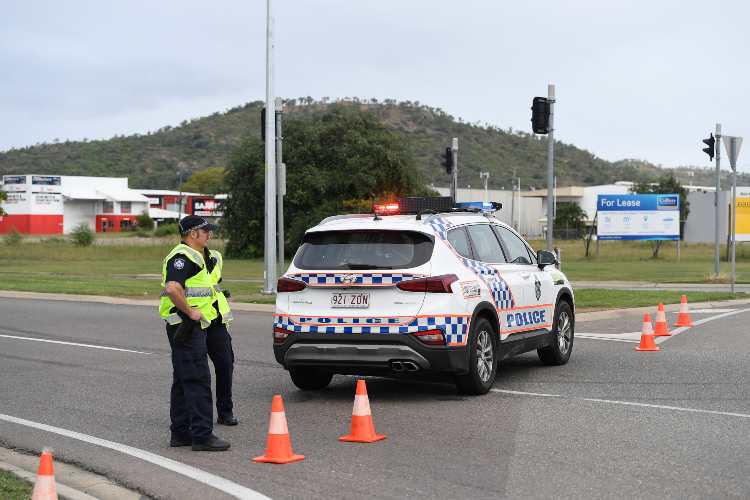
point(501, 295)
point(362, 279)
point(441, 227)
point(454, 328)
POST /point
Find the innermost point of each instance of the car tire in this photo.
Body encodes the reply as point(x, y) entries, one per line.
point(558, 352)
point(482, 359)
point(310, 378)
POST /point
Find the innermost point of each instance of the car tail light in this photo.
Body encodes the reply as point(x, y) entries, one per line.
point(290, 285)
point(431, 337)
point(279, 335)
point(386, 208)
point(433, 284)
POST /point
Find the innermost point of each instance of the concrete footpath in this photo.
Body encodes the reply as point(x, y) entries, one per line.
point(646, 285)
point(73, 483)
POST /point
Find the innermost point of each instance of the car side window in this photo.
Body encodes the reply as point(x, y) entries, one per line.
point(486, 246)
point(517, 250)
point(460, 242)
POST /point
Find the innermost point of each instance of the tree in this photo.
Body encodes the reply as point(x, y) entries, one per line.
point(207, 181)
point(570, 219)
point(3, 197)
point(666, 184)
point(337, 160)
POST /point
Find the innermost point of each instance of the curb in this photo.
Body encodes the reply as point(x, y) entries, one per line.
point(76, 483)
point(614, 313)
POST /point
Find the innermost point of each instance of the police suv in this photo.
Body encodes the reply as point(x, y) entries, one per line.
point(410, 290)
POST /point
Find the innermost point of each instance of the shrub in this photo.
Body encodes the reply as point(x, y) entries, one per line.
point(166, 230)
point(82, 235)
point(143, 233)
point(143, 221)
point(13, 238)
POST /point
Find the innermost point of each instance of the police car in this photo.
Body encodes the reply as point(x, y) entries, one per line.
point(411, 290)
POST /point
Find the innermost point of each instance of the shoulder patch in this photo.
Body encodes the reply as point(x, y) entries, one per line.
point(178, 263)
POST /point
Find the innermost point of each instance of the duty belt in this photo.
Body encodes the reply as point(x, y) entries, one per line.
point(195, 292)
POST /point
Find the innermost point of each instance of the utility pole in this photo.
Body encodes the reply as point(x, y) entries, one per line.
point(280, 182)
point(550, 167)
point(513, 199)
point(717, 214)
point(269, 254)
point(485, 176)
point(454, 181)
point(733, 145)
point(519, 206)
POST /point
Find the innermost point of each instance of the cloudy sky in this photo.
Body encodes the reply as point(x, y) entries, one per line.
point(635, 79)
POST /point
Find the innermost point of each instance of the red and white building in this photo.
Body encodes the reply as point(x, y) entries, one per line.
point(165, 204)
point(55, 204)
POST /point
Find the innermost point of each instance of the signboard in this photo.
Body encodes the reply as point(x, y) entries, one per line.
point(638, 217)
point(14, 179)
point(207, 207)
point(154, 201)
point(743, 214)
point(45, 180)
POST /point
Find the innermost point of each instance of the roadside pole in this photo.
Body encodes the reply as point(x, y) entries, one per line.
point(550, 167)
point(519, 207)
point(716, 201)
point(269, 254)
point(733, 145)
point(280, 183)
point(454, 180)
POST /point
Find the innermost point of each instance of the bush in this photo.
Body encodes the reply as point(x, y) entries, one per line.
point(143, 233)
point(167, 230)
point(13, 238)
point(82, 235)
point(143, 221)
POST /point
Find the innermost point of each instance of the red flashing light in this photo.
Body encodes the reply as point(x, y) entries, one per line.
point(387, 208)
point(431, 337)
point(290, 285)
point(433, 284)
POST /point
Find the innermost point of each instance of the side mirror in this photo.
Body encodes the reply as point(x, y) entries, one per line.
point(545, 258)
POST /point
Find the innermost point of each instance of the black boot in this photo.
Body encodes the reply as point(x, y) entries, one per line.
point(177, 440)
point(227, 420)
point(211, 443)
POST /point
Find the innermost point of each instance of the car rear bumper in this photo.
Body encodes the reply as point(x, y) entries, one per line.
point(369, 354)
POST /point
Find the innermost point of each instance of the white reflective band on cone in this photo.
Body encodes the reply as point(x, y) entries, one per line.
point(361, 406)
point(277, 425)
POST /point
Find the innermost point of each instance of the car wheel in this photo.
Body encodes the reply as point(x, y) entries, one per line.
point(310, 378)
point(482, 360)
point(558, 352)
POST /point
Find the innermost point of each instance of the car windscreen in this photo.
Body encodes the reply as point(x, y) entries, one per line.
point(367, 249)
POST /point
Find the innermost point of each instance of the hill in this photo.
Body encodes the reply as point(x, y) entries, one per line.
point(153, 159)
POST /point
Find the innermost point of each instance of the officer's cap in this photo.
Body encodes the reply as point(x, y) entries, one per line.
point(190, 222)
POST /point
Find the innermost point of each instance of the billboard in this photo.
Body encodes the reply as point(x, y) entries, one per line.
point(207, 207)
point(638, 216)
point(45, 180)
point(743, 214)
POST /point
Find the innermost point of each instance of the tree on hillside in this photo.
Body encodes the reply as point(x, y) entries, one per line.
point(3, 197)
point(336, 160)
point(208, 181)
point(666, 184)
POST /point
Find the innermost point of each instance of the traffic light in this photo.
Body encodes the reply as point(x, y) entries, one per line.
point(447, 160)
point(263, 124)
point(540, 115)
point(711, 143)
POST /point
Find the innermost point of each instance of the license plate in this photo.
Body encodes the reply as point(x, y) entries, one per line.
point(355, 300)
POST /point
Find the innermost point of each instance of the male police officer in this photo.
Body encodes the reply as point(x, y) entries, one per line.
point(196, 311)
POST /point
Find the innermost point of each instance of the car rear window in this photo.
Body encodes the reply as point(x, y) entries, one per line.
point(370, 249)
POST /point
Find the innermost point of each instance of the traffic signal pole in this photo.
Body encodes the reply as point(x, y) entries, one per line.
point(716, 201)
point(269, 253)
point(454, 180)
point(550, 168)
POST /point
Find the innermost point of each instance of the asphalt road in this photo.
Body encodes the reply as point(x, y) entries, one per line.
point(611, 423)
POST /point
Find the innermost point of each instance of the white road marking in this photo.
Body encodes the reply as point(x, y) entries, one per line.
point(611, 337)
point(221, 484)
point(90, 346)
point(626, 403)
point(707, 311)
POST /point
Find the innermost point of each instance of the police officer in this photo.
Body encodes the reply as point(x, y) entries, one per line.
point(196, 312)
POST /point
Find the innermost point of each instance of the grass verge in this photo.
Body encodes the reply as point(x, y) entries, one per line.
point(590, 299)
point(13, 487)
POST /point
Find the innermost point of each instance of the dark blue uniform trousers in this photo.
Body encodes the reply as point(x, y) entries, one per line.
point(190, 408)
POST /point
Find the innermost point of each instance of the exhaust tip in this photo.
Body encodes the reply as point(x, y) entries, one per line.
point(410, 366)
point(397, 366)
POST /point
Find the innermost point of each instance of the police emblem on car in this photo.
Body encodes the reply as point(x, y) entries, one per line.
point(419, 287)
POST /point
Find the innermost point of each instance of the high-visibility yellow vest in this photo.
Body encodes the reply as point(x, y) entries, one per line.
point(201, 290)
point(223, 303)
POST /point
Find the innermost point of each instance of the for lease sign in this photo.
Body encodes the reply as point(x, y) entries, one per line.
point(743, 214)
point(638, 216)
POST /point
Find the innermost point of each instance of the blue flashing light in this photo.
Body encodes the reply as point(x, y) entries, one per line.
point(482, 206)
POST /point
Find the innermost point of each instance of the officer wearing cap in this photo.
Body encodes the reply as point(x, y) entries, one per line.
point(196, 311)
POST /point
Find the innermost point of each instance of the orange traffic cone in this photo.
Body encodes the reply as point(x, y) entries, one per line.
point(647, 336)
point(279, 446)
point(44, 486)
point(661, 328)
point(363, 428)
point(683, 319)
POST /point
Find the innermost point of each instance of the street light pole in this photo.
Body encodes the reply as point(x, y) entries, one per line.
point(717, 135)
point(550, 168)
point(269, 254)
